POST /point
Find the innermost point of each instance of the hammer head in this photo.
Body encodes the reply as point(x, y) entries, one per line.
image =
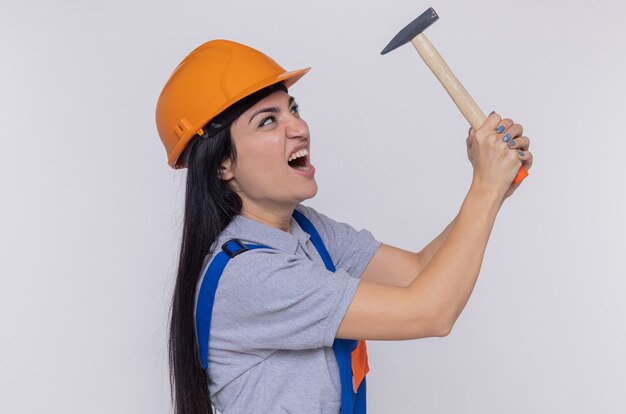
point(412, 29)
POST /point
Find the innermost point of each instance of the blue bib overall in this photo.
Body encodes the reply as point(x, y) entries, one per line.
point(351, 402)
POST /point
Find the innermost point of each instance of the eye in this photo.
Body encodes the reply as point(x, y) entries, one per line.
point(295, 109)
point(267, 121)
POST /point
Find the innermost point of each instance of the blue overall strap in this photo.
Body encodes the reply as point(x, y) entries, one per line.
point(351, 403)
point(206, 296)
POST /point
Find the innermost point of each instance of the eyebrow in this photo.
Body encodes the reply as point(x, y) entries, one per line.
point(272, 109)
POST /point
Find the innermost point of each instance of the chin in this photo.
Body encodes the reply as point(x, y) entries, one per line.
point(312, 191)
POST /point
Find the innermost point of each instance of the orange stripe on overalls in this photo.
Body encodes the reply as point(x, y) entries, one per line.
point(360, 367)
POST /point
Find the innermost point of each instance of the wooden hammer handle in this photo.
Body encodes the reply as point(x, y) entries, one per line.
point(463, 100)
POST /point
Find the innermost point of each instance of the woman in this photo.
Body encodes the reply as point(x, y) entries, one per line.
point(296, 289)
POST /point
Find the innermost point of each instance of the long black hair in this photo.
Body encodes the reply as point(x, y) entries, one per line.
point(210, 205)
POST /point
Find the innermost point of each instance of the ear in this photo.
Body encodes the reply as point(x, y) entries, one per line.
point(226, 170)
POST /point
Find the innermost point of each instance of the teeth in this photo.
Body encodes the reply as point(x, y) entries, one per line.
point(302, 153)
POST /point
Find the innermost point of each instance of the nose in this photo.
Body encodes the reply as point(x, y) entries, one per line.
point(297, 128)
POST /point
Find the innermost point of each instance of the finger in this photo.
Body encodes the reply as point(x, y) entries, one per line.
point(512, 132)
point(521, 143)
point(470, 137)
point(527, 159)
point(504, 125)
point(492, 121)
point(469, 142)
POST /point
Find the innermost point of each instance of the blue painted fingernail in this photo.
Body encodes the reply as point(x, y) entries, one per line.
point(511, 142)
point(507, 137)
point(500, 129)
point(521, 153)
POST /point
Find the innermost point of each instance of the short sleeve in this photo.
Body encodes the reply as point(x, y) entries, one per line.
point(349, 248)
point(269, 299)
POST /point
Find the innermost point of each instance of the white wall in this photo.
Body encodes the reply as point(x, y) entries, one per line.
point(91, 214)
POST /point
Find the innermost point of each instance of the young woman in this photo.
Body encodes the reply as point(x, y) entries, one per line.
point(273, 300)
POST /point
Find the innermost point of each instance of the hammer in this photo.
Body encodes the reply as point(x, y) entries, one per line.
point(414, 32)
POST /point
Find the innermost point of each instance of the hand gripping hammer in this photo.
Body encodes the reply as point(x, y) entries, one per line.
point(414, 32)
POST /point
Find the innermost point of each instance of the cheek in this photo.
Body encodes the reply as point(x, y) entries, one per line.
point(260, 162)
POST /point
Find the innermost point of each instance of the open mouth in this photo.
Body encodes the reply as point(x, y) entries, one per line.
point(299, 160)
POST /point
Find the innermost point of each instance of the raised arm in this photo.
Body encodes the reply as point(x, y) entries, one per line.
point(431, 303)
point(398, 267)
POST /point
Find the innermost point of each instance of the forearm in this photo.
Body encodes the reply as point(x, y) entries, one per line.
point(428, 252)
point(452, 271)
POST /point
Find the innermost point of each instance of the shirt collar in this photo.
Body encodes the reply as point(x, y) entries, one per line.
point(249, 230)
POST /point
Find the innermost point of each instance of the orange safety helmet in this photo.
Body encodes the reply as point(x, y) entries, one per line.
point(214, 76)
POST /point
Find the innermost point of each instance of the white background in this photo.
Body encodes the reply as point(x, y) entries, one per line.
point(91, 213)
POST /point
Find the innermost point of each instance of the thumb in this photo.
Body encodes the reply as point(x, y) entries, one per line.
point(469, 141)
point(470, 137)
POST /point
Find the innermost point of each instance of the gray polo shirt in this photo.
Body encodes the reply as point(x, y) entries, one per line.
point(276, 314)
